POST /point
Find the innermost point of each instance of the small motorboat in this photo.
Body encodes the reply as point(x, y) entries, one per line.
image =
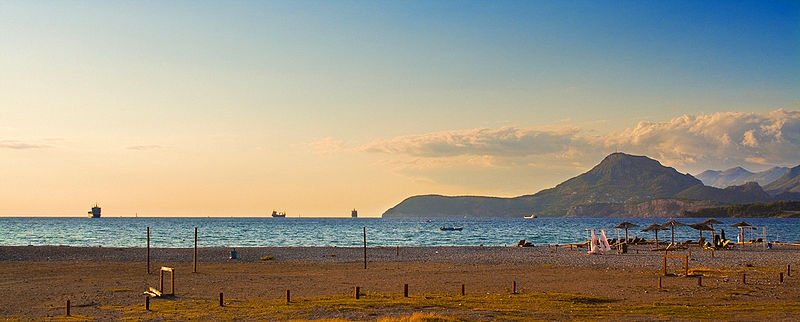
point(531, 217)
point(451, 228)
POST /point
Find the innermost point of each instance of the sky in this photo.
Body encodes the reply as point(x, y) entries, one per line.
point(238, 108)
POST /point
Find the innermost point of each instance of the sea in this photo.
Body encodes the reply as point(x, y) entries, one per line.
point(348, 232)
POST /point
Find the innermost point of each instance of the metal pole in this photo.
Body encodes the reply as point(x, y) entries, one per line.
point(365, 247)
point(194, 269)
point(148, 250)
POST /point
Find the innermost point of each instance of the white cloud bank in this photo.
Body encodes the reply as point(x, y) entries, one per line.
point(689, 142)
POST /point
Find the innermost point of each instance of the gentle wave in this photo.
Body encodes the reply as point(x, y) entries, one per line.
point(344, 232)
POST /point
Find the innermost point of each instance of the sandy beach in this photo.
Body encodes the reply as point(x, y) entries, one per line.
point(553, 283)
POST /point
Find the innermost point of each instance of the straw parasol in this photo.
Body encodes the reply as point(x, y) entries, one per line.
point(711, 222)
point(741, 225)
point(671, 224)
point(654, 228)
point(625, 225)
point(700, 227)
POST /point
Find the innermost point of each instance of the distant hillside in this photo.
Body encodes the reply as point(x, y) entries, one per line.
point(788, 184)
point(772, 209)
point(619, 185)
point(739, 176)
point(747, 193)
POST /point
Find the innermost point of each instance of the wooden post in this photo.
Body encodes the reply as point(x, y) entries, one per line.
point(68, 307)
point(659, 282)
point(288, 297)
point(700, 281)
point(744, 278)
point(172, 282)
point(221, 300)
point(665, 264)
point(398, 251)
point(161, 281)
point(147, 303)
point(357, 293)
point(789, 270)
point(405, 290)
point(365, 247)
point(781, 277)
point(686, 266)
point(712, 253)
point(514, 287)
point(194, 268)
point(148, 250)
point(463, 291)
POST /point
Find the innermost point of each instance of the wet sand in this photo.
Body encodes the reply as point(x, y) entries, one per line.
point(107, 283)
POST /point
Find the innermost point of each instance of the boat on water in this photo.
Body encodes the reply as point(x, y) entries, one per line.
point(276, 214)
point(451, 228)
point(95, 212)
point(531, 217)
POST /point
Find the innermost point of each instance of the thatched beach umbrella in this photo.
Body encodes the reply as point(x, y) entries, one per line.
point(654, 228)
point(671, 224)
point(625, 225)
point(741, 225)
point(700, 227)
point(711, 222)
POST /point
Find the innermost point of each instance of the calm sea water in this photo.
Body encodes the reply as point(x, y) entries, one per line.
point(179, 232)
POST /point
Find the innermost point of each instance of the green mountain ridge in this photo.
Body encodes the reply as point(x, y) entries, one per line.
point(619, 185)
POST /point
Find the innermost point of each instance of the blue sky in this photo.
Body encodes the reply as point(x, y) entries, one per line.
point(209, 97)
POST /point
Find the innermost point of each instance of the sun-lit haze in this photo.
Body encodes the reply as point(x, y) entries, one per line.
point(236, 108)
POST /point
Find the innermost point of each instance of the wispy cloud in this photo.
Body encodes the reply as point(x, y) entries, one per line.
point(503, 142)
point(327, 146)
point(144, 147)
point(18, 145)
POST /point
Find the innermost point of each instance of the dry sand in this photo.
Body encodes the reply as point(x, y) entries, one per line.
point(107, 283)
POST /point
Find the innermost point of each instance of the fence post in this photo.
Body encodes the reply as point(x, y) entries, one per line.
point(405, 290)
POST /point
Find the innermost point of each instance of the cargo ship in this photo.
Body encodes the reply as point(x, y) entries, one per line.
point(95, 212)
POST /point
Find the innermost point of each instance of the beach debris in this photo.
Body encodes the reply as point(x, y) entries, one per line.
point(523, 243)
point(234, 254)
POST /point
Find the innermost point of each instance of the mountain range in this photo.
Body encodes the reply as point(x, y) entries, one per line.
point(620, 185)
point(739, 176)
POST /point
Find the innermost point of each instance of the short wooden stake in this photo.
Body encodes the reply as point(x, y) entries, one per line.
point(405, 290)
point(397, 251)
point(789, 270)
point(288, 297)
point(514, 287)
point(700, 281)
point(221, 299)
point(686, 266)
point(147, 303)
point(357, 292)
point(781, 277)
point(712, 253)
point(744, 278)
point(659, 282)
point(665, 264)
point(68, 307)
point(463, 291)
